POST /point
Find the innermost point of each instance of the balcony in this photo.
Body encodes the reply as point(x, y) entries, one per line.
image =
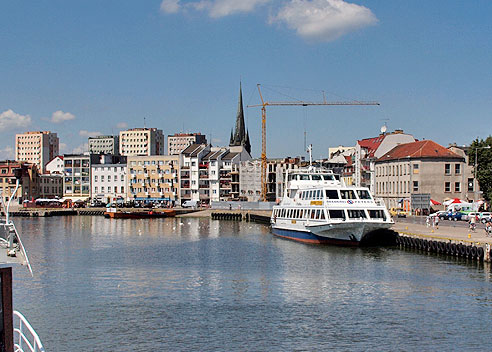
point(185, 185)
point(203, 186)
point(203, 166)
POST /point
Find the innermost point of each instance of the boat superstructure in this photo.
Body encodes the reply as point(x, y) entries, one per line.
point(17, 334)
point(317, 207)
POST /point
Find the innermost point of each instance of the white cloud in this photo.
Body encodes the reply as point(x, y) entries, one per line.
point(84, 133)
point(10, 119)
point(81, 149)
point(122, 125)
point(324, 20)
point(7, 153)
point(215, 8)
point(170, 6)
point(60, 116)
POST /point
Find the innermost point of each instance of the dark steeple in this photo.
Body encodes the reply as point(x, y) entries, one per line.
point(240, 136)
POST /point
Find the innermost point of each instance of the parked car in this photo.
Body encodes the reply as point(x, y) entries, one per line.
point(189, 204)
point(485, 216)
point(399, 212)
point(458, 216)
point(468, 216)
point(441, 214)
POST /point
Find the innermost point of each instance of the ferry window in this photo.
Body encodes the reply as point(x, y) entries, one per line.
point(313, 213)
point(331, 194)
point(311, 196)
point(328, 177)
point(377, 214)
point(292, 193)
point(316, 177)
point(347, 194)
point(305, 177)
point(322, 217)
point(356, 213)
point(301, 214)
point(336, 214)
point(363, 194)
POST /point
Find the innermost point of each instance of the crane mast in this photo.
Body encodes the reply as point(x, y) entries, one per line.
point(264, 104)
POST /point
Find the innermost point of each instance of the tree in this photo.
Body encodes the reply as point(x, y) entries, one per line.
point(483, 167)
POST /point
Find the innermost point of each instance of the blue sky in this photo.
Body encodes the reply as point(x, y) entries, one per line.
point(81, 68)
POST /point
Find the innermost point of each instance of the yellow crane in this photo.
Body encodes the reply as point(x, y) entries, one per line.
point(264, 104)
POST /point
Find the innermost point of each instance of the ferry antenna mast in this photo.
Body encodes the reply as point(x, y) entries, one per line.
point(264, 104)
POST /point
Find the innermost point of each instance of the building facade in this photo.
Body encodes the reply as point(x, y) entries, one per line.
point(29, 183)
point(368, 150)
point(104, 145)
point(141, 141)
point(36, 147)
point(180, 141)
point(423, 167)
point(55, 166)
point(153, 178)
point(50, 186)
point(76, 176)
point(108, 179)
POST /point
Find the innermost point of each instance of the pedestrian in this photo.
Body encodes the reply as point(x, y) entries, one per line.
point(436, 221)
point(473, 223)
point(427, 221)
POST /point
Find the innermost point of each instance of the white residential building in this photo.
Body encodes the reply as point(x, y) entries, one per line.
point(36, 148)
point(55, 166)
point(141, 141)
point(108, 182)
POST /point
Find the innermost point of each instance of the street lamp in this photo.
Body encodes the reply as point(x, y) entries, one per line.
point(475, 168)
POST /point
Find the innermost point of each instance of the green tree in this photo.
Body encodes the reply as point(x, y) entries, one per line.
point(481, 153)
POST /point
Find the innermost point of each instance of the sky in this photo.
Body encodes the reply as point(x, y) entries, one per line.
point(84, 68)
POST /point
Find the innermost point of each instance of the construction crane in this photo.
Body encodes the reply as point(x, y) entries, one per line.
point(264, 104)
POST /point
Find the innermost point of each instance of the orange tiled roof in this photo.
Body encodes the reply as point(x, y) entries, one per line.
point(419, 150)
point(371, 144)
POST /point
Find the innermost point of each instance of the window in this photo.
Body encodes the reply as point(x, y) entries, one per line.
point(377, 214)
point(331, 194)
point(447, 186)
point(470, 185)
point(347, 194)
point(457, 186)
point(95, 179)
point(415, 168)
point(356, 213)
point(363, 194)
point(447, 169)
point(415, 186)
point(336, 214)
point(457, 169)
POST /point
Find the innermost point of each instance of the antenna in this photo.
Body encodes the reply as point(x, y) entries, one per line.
point(144, 121)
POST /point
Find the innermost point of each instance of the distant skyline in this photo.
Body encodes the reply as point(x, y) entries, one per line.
point(83, 68)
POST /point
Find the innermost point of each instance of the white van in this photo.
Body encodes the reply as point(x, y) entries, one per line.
point(190, 204)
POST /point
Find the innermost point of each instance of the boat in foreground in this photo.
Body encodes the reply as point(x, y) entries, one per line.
point(317, 207)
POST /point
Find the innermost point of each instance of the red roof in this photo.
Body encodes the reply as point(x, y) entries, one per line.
point(371, 144)
point(419, 150)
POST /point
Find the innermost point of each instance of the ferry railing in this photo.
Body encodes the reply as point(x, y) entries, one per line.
point(25, 337)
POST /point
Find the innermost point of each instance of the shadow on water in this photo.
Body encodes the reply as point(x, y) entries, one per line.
point(379, 238)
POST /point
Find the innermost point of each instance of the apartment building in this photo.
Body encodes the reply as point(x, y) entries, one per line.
point(180, 141)
point(153, 178)
point(211, 173)
point(141, 141)
point(108, 178)
point(422, 167)
point(36, 148)
point(368, 150)
point(76, 176)
point(104, 145)
point(50, 186)
point(29, 182)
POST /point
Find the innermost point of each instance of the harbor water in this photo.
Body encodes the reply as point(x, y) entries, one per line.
point(194, 284)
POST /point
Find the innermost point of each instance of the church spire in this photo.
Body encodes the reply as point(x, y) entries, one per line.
point(240, 131)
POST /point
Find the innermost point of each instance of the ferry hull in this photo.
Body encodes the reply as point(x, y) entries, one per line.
point(344, 235)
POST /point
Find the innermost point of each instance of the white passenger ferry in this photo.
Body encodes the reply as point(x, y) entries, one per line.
point(317, 207)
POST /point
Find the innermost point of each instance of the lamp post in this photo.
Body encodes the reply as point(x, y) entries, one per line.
point(475, 168)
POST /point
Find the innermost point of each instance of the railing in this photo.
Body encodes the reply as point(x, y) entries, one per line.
point(25, 337)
